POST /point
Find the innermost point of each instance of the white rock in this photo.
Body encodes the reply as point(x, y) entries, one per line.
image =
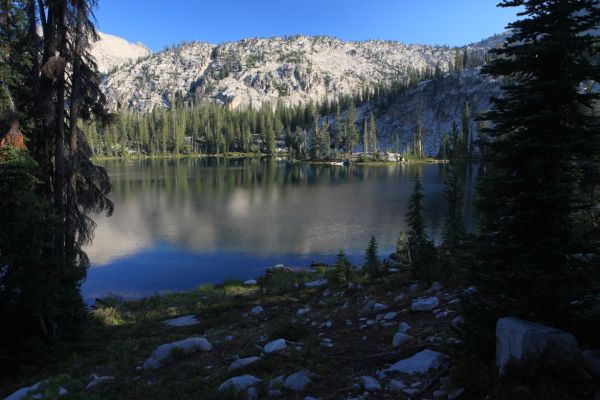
point(275, 345)
point(257, 310)
point(239, 383)
point(298, 381)
point(439, 393)
point(379, 307)
point(419, 363)
point(400, 338)
point(274, 393)
point(97, 380)
point(520, 340)
point(370, 383)
point(425, 304)
point(163, 353)
point(403, 327)
point(390, 316)
point(242, 362)
point(436, 287)
point(397, 385)
point(250, 282)
point(458, 321)
point(413, 287)
point(186, 320)
point(302, 311)
point(316, 283)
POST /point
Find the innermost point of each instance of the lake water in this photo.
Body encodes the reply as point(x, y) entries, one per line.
point(179, 223)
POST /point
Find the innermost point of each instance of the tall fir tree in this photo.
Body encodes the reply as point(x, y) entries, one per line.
point(531, 203)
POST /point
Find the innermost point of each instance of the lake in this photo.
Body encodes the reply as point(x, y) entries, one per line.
point(180, 223)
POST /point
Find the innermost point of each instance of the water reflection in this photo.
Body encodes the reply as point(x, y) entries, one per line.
point(234, 215)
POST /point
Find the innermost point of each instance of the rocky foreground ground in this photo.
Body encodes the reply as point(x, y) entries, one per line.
point(289, 335)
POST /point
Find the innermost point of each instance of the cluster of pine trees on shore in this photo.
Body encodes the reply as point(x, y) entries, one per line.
point(312, 131)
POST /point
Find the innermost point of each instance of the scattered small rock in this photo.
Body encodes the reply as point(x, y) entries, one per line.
point(419, 363)
point(242, 362)
point(275, 345)
point(400, 338)
point(239, 383)
point(298, 381)
point(257, 310)
point(186, 320)
point(163, 353)
point(403, 327)
point(96, 379)
point(425, 304)
point(370, 383)
point(379, 307)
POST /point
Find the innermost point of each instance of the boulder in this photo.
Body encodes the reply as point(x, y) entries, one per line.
point(420, 363)
point(518, 340)
point(23, 392)
point(242, 362)
point(425, 304)
point(186, 320)
point(436, 287)
point(368, 306)
point(275, 345)
point(239, 383)
point(400, 338)
point(163, 353)
point(250, 282)
point(298, 381)
point(370, 383)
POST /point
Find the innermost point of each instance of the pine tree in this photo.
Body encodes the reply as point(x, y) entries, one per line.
point(365, 138)
point(372, 134)
point(372, 266)
point(422, 250)
point(543, 135)
point(351, 131)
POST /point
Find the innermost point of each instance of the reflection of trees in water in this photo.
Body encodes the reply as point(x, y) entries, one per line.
point(195, 174)
point(264, 206)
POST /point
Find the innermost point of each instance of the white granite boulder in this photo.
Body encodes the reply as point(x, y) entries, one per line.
point(242, 362)
point(164, 353)
point(518, 340)
point(425, 304)
point(420, 363)
point(239, 383)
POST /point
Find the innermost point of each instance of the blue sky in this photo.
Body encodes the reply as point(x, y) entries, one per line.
point(158, 23)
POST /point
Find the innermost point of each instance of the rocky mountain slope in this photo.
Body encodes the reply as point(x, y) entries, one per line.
point(112, 51)
point(253, 71)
